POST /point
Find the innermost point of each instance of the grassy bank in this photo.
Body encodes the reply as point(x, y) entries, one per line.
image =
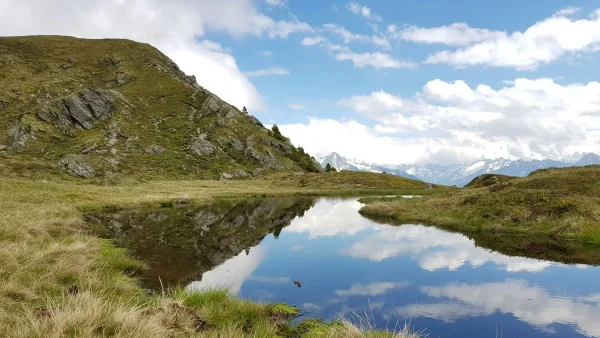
point(562, 203)
point(57, 280)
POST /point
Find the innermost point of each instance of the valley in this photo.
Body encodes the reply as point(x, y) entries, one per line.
point(136, 203)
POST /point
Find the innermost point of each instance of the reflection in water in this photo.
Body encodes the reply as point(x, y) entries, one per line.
point(444, 282)
point(181, 244)
point(435, 250)
point(531, 304)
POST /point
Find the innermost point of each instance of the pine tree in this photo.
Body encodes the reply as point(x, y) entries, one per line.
point(329, 168)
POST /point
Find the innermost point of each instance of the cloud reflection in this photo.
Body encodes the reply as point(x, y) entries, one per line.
point(332, 218)
point(435, 249)
point(232, 273)
point(531, 304)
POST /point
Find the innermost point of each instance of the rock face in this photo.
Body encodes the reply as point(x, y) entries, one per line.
point(128, 110)
point(90, 105)
point(77, 165)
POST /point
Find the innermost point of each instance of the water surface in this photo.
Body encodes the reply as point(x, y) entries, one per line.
point(442, 282)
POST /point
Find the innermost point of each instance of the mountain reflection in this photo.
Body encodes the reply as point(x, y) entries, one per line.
point(182, 244)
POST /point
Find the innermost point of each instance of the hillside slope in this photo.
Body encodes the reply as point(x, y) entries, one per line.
point(118, 108)
point(560, 202)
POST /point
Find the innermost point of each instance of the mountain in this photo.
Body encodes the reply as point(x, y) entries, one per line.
point(588, 159)
point(117, 108)
point(342, 163)
point(459, 174)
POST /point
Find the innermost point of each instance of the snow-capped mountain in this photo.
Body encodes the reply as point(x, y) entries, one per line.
point(588, 159)
point(459, 174)
point(342, 163)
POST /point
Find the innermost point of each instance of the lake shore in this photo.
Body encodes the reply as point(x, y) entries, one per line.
point(59, 280)
point(562, 203)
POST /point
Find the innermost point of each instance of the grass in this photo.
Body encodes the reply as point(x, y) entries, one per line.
point(57, 280)
point(562, 203)
point(161, 108)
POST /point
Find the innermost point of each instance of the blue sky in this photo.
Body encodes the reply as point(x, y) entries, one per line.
point(317, 81)
point(385, 81)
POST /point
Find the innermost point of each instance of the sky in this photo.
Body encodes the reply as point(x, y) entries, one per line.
point(384, 81)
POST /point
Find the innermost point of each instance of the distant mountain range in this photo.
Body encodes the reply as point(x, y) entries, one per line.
point(457, 174)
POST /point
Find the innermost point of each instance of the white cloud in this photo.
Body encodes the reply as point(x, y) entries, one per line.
point(363, 11)
point(526, 118)
point(542, 43)
point(173, 27)
point(296, 106)
point(266, 53)
point(268, 72)
point(308, 41)
point(348, 37)
point(371, 289)
point(276, 3)
point(454, 34)
point(530, 304)
point(568, 11)
point(376, 60)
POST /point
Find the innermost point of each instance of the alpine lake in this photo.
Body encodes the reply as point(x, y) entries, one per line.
point(324, 257)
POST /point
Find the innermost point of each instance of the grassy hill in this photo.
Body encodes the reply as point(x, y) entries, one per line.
point(564, 203)
point(118, 108)
point(487, 180)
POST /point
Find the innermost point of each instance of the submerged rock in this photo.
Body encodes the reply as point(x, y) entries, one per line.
point(77, 165)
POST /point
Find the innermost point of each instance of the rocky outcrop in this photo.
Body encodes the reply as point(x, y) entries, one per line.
point(92, 104)
point(236, 144)
point(236, 173)
point(202, 147)
point(154, 149)
point(77, 165)
point(282, 146)
point(225, 176)
point(60, 121)
point(19, 136)
point(255, 121)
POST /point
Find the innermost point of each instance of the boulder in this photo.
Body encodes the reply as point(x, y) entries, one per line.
point(77, 165)
point(212, 105)
point(258, 171)
point(225, 176)
point(201, 147)
point(236, 144)
point(240, 173)
point(19, 136)
point(154, 149)
point(3, 147)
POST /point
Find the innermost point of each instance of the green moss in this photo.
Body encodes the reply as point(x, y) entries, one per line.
point(117, 259)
